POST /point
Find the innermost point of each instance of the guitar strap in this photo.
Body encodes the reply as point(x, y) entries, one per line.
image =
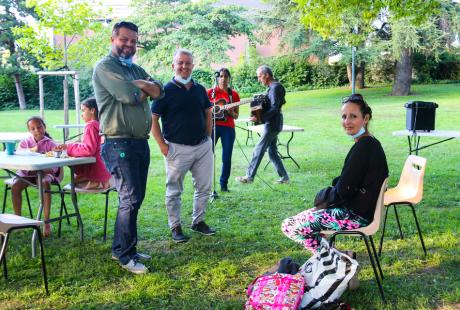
point(230, 97)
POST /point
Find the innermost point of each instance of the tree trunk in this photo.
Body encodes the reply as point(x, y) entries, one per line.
point(359, 74)
point(403, 74)
point(20, 91)
point(360, 70)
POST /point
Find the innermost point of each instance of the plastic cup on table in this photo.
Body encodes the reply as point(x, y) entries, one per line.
point(10, 148)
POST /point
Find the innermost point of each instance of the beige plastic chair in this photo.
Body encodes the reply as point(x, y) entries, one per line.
point(10, 222)
point(67, 189)
point(408, 192)
point(366, 233)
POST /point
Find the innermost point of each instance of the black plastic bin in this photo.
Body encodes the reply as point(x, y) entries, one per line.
point(420, 115)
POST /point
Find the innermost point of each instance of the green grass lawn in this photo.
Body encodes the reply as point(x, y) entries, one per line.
point(213, 272)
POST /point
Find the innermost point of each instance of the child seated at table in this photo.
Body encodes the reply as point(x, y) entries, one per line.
point(40, 142)
point(90, 176)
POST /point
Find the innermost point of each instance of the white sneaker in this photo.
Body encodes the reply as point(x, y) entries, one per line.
point(135, 267)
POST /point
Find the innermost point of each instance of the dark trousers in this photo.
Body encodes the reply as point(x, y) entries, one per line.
point(227, 136)
point(128, 161)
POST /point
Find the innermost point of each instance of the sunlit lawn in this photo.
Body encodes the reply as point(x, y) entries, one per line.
point(213, 272)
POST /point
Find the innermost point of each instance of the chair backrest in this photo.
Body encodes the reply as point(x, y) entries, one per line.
point(411, 180)
point(374, 226)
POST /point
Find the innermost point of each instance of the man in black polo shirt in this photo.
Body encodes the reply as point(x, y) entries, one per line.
point(186, 118)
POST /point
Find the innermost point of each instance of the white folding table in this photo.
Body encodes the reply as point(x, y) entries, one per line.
point(40, 163)
point(413, 137)
point(247, 121)
point(67, 127)
point(259, 129)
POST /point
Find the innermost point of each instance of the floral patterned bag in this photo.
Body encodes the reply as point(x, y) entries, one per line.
point(278, 291)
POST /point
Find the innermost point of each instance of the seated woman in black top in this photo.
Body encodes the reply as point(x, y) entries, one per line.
point(350, 202)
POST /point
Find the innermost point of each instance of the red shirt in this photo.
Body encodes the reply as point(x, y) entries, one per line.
point(230, 122)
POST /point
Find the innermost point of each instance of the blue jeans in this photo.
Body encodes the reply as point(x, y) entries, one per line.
point(268, 142)
point(128, 161)
point(227, 137)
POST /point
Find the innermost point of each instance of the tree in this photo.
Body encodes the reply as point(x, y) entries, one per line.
point(200, 26)
point(70, 19)
point(283, 20)
point(431, 37)
point(13, 59)
point(352, 22)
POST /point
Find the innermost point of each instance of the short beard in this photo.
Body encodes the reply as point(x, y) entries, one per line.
point(123, 55)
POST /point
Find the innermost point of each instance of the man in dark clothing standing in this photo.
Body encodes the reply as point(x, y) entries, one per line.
point(273, 119)
point(121, 89)
point(185, 142)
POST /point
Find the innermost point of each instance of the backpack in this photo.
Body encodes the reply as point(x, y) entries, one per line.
point(278, 291)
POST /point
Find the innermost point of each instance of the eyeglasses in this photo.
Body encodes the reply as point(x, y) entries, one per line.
point(353, 98)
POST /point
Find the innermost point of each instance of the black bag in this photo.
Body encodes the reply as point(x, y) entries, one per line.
point(322, 198)
point(328, 198)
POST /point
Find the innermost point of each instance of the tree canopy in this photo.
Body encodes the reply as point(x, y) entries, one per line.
point(202, 27)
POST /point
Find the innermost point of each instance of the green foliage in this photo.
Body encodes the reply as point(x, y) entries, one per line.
point(12, 58)
point(351, 22)
point(53, 88)
point(199, 26)
point(67, 18)
point(295, 72)
point(429, 69)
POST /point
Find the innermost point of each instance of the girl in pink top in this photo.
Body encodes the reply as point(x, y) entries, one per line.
point(39, 142)
point(90, 176)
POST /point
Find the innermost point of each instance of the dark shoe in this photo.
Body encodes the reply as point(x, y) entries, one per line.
point(203, 229)
point(177, 235)
point(142, 257)
point(224, 189)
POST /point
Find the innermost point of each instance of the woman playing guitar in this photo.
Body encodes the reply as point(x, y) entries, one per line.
point(225, 127)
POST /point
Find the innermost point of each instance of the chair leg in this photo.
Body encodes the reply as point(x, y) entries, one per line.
point(63, 206)
point(5, 193)
point(418, 228)
point(28, 203)
point(60, 222)
point(42, 253)
point(106, 214)
point(376, 257)
point(399, 224)
point(4, 240)
point(383, 230)
point(377, 278)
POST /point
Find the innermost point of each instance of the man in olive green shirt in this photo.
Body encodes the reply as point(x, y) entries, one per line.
point(121, 89)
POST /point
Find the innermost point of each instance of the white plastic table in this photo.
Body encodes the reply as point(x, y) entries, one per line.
point(259, 129)
point(247, 121)
point(13, 136)
point(413, 137)
point(40, 163)
point(67, 127)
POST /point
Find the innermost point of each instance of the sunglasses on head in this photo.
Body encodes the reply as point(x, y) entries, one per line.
point(353, 98)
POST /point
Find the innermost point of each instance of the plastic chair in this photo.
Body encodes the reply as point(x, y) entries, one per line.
point(408, 192)
point(10, 222)
point(106, 192)
point(366, 233)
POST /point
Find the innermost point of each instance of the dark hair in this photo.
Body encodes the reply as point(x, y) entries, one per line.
point(123, 24)
point(358, 99)
point(266, 70)
point(40, 120)
point(226, 71)
point(91, 103)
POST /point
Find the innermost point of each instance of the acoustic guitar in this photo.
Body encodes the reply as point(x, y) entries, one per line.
point(220, 106)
